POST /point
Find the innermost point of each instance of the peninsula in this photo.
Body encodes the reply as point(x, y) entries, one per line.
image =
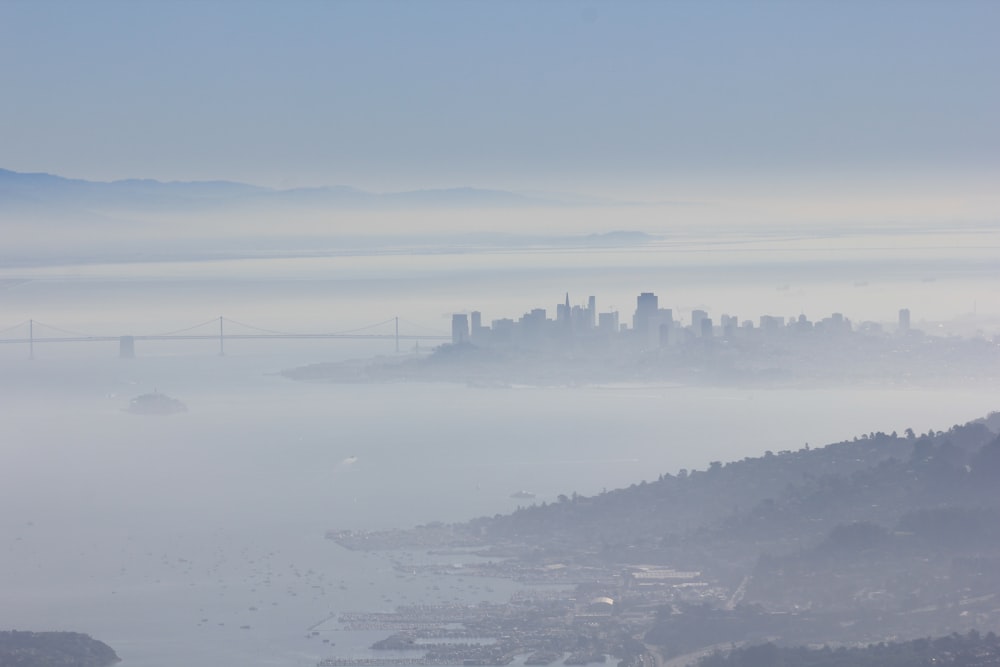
point(886, 537)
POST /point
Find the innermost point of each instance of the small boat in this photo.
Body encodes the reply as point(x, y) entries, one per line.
point(522, 494)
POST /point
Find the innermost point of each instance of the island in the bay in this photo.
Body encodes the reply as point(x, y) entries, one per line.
point(581, 345)
point(789, 558)
point(53, 649)
point(155, 403)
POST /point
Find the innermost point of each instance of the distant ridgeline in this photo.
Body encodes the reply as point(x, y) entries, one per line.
point(53, 649)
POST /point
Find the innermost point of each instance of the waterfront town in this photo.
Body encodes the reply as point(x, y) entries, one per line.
point(575, 612)
point(882, 538)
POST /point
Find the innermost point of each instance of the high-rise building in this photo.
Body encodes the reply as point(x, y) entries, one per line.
point(502, 331)
point(563, 311)
point(705, 327)
point(904, 320)
point(580, 318)
point(771, 324)
point(459, 328)
point(608, 322)
point(646, 305)
point(730, 325)
point(660, 329)
point(478, 333)
point(696, 318)
point(533, 324)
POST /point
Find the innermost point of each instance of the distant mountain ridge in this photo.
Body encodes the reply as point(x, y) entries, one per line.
point(19, 190)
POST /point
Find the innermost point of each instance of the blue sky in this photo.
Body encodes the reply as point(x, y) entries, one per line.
point(650, 99)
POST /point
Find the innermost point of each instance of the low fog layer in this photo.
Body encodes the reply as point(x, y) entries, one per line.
point(356, 334)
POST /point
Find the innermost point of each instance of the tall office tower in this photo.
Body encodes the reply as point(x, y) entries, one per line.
point(696, 317)
point(608, 322)
point(705, 327)
point(904, 320)
point(477, 334)
point(502, 331)
point(459, 328)
point(660, 329)
point(730, 325)
point(532, 325)
point(592, 311)
point(771, 324)
point(646, 305)
point(580, 317)
point(563, 311)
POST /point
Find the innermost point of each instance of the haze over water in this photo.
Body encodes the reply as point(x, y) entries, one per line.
point(136, 528)
point(761, 159)
point(946, 277)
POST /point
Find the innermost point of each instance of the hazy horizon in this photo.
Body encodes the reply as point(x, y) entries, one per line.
point(826, 111)
point(766, 168)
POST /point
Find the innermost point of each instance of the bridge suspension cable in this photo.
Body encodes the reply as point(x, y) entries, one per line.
point(214, 320)
point(16, 326)
point(261, 329)
point(427, 329)
point(364, 328)
point(68, 332)
point(289, 333)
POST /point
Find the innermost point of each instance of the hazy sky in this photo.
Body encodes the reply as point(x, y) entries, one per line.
point(660, 99)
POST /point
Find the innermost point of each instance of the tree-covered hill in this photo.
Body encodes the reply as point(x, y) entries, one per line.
point(775, 503)
point(886, 536)
point(53, 649)
point(969, 650)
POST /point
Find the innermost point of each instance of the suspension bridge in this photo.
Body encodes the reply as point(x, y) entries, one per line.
point(222, 329)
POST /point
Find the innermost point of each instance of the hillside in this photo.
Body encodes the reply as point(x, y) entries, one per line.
point(970, 650)
point(53, 649)
point(777, 501)
point(884, 537)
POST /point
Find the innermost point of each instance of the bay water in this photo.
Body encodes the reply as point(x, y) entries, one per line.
point(197, 539)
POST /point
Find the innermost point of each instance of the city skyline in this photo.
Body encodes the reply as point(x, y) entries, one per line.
point(651, 325)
